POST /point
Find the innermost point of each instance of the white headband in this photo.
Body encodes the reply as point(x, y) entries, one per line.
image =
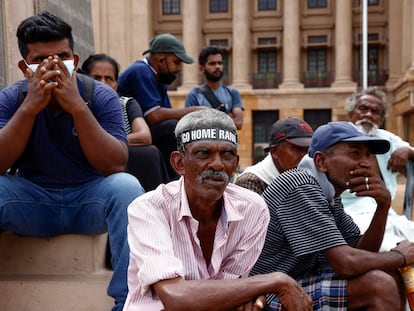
point(207, 134)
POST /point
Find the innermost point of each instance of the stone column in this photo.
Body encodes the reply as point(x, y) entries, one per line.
point(13, 13)
point(112, 37)
point(411, 38)
point(395, 23)
point(407, 35)
point(241, 44)
point(140, 24)
point(343, 44)
point(191, 39)
point(291, 45)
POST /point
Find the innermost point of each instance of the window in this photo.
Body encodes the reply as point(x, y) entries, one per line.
point(372, 57)
point(317, 39)
point(221, 43)
point(170, 7)
point(317, 60)
point(262, 125)
point(267, 41)
point(317, 4)
point(266, 5)
point(218, 6)
point(267, 61)
point(317, 117)
point(370, 2)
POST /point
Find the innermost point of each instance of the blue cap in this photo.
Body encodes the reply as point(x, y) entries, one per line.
point(332, 133)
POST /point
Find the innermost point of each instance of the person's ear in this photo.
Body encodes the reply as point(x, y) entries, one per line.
point(22, 66)
point(201, 68)
point(320, 159)
point(178, 162)
point(76, 60)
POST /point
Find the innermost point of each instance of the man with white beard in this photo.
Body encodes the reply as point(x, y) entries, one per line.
point(367, 111)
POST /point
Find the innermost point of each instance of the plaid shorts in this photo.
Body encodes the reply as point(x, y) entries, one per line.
point(328, 291)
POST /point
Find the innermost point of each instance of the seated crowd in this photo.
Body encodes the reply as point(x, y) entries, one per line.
point(182, 236)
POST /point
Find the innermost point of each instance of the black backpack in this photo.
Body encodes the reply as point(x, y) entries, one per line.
point(87, 95)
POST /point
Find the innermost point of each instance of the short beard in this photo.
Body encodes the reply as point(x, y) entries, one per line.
point(213, 78)
point(364, 129)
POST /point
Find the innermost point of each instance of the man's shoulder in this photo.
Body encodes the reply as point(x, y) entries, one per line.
point(12, 89)
point(290, 181)
point(231, 90)
point(249, 177)
point(238, 193)
point(13, 94)
point(139, 64)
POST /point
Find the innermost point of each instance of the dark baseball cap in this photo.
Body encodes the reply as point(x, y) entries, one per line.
point(332, 133)
point(294, 130)
point(167, 43)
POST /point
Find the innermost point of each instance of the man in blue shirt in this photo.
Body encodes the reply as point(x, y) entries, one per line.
point(214, 93)
point(147, 81)
point(70, 157)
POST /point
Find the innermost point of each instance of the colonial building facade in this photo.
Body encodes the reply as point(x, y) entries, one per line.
point(298, 58)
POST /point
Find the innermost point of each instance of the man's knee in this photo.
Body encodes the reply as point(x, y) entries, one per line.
point(374, 288)
point(124, 184)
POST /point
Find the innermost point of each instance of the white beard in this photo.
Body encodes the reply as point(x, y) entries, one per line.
point(367, 127)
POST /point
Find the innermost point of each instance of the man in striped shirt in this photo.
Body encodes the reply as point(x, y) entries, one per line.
point(312, 239)
point(193, 241)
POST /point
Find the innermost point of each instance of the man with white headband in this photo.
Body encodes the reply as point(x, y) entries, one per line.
point(70, 156)
point(367, 110)
point(193, 241)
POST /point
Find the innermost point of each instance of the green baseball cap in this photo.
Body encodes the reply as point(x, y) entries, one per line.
point(167, 43)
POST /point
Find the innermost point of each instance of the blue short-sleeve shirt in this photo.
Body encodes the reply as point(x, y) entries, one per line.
point(53, 156)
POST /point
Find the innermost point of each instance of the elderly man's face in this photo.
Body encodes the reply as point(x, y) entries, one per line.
point(367, 114)
point(341, 159)
point(286, 155)
point(208, 167)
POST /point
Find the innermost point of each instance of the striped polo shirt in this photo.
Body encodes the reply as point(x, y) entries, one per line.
point(303, 223)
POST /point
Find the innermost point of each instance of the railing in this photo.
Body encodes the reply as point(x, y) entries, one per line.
point(317, 78)
point(374, 77)
point(266, 80)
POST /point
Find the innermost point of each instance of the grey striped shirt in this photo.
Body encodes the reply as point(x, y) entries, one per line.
point(303, 224)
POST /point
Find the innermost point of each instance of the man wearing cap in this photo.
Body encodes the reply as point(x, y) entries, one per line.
point(193, 241)
point(312, 239)
point(289, 142)
point(147, 81)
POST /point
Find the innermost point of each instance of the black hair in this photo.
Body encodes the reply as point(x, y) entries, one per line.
point(206, 52)
point(42, 27)
point(92, 59)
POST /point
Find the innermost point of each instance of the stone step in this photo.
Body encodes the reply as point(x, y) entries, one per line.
point(63, 273)
point(63, 255)
point(55, 293)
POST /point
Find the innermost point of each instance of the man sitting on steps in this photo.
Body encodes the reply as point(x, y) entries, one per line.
point(70, 156)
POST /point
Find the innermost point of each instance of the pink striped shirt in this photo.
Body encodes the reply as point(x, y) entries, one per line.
point(162, 236)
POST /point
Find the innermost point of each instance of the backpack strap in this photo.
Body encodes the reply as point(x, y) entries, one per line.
point(88, 89)
point(87, 95)
point(209, 95)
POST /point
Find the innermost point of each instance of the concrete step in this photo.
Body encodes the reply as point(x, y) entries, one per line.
point(66, 254)
point(63, 273)
point(55, 293)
